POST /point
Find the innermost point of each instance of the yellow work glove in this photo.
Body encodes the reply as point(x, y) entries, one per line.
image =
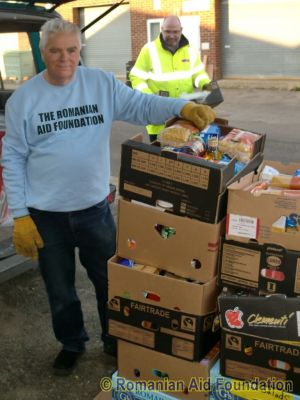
point(26, 237)
point(199, 114)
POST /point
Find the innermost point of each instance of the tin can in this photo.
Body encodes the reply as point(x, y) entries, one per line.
point(166, 232)
point(194, 147)
point(213, 145)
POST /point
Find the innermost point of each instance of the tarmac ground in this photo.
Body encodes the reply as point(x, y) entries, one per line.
point(264, 84)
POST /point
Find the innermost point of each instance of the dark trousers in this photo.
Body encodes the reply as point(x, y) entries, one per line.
point(93, 232)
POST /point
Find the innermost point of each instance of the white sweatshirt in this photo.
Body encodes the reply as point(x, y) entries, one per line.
point(56, 153)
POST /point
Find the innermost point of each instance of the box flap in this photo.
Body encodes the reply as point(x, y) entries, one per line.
point(274, 317)
point(190, 252)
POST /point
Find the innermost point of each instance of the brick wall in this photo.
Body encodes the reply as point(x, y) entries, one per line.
point(209, 29)
point(23, 41)
point(71, 11)
point(141, 10)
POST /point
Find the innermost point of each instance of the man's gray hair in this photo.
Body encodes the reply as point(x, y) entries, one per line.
point(57, 25)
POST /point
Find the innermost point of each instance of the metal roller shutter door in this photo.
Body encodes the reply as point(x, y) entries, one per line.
point(261, 38)
point(107, 44)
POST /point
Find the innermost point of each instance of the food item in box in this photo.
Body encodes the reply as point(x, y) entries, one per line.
point(149, 269)
point(259, 186)
point(291, 225)
point(286, 181)
point(238, 143)
point(267, 173)
point(293, 194)
point(279, 226)
point(178, 133)
point(126, 262)
point(211, 136)
point(264, 187)
point(194, 147)
point(278, 180)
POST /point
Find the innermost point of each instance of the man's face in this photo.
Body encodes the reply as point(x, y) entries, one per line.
point(61, 56)
point(171, 33)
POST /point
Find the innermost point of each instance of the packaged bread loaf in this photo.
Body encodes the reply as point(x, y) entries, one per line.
point(286, 181)
point(238, 143)
point(178, 133)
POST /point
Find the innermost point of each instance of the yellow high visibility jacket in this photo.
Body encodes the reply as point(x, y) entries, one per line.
point(157, 69)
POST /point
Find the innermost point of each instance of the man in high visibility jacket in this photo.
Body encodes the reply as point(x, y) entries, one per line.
point(168, 66)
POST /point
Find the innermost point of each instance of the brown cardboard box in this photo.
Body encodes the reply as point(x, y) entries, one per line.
point(191, 252)
point(261, 269)
point(138, 363)
point(225, 388)
point(125, 389)
point(196, 187)
point(257, 218)
point(260, 338)
point(169, 315)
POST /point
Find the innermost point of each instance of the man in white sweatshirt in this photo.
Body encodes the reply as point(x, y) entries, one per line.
point(56, 162)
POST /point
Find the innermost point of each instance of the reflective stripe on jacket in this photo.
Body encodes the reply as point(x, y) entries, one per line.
point(156, 69)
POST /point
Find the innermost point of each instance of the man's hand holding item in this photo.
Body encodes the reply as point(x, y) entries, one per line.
point(199, 114)
point(26, 237)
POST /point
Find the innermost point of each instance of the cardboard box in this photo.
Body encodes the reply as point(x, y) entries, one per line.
point(196, 187)
point(224, 388)
point(261, 269)
point(260, 339)
point(258, 218)
point(191, 252)
point(124, 389)
point(181, 379)
point(169, 315)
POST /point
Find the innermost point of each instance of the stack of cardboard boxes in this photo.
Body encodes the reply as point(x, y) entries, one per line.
point(162, 280)
point(260, 267)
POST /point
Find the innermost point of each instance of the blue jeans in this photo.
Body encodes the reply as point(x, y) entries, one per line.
point(93, 231)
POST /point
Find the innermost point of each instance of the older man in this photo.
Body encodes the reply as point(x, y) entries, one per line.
point(57, 168)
